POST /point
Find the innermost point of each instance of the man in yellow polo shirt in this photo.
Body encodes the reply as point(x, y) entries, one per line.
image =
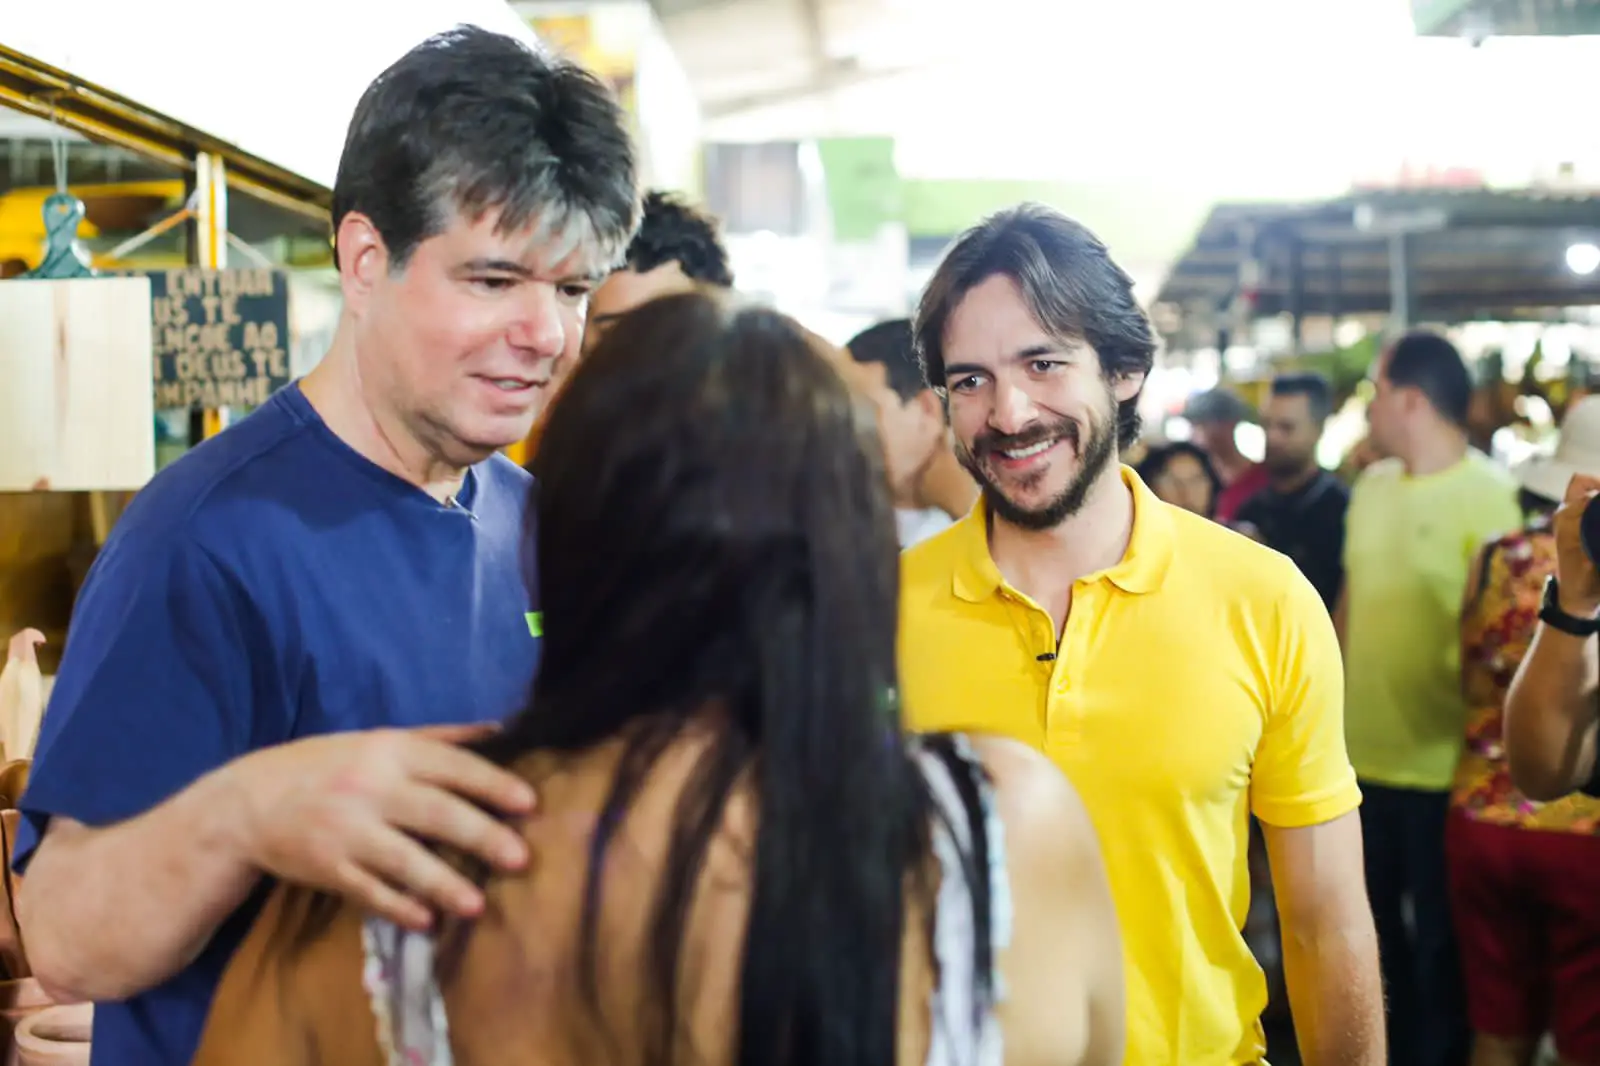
point(1180, 675)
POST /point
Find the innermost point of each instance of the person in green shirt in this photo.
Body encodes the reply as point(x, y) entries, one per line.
point(1415, 522)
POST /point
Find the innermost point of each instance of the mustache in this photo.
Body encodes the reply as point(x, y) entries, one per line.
point(990, 441)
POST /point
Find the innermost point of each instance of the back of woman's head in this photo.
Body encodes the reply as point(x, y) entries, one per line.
point(706, 479)
point(715, 532)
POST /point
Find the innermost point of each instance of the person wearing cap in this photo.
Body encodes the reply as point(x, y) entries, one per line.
point(1524, 876)
point(1416, 521)
point(1215, 416)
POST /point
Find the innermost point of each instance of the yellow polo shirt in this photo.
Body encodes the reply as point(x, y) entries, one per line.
point(1197, 680)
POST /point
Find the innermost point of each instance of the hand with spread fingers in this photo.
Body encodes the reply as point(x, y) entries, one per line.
point(356, 813)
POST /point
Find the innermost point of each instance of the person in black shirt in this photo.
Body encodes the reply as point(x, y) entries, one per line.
point(1301, 511)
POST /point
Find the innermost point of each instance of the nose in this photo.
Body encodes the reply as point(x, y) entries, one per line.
point(540, 326)
point(1014, 409)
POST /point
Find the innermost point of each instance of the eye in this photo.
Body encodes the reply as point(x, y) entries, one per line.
point(1043, 366)
point(494, 282)
point(576, 291)
point(966, 384)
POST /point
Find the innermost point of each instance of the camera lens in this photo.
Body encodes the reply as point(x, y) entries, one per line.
point(1589, 530)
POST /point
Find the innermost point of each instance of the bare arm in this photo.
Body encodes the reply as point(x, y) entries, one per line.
point(1550, 711)
point(1550, 719)
point(1063, 971)
point(110, 912)
point(100, 908)
point(1330, 949)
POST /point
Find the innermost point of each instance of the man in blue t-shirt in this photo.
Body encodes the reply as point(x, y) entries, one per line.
point(291, 626)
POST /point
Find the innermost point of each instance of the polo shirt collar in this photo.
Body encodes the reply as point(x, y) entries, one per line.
point(1141, 570)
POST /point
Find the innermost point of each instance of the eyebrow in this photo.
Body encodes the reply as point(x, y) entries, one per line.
point(1032, 351)
point(507, 266)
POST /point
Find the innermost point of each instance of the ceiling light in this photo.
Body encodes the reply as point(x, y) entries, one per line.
point(1583, 258)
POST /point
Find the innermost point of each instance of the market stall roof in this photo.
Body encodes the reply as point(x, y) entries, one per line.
point(1482, 18)
point(277, 85)
point(1473, 253)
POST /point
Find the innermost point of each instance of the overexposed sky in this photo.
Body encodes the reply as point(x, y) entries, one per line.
point(1261, 97)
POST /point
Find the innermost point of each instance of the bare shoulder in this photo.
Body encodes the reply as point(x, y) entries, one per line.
point(1063, 967)
point(1039, 807)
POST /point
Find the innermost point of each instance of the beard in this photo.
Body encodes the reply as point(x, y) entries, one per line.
point(1094, 455)
point(1283, 464)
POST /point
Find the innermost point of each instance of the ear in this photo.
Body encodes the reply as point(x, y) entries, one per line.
point(363, 259)
point(1126, 386)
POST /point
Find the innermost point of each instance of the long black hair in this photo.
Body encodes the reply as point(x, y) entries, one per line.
point(714, 530)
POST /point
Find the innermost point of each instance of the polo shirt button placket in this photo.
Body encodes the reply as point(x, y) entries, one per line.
point(1058, 716)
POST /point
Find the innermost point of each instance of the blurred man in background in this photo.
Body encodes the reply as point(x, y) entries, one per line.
point(678, 247)
point(1301, 511)
point(931, 490)
point(1415, 523)
point(1215, 416)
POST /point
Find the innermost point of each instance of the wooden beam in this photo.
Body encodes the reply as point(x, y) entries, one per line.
point(46, 92)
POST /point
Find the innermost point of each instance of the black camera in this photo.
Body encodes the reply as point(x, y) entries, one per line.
point(1589, 530)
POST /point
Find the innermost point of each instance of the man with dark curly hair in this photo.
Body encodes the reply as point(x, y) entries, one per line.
point(678, 247)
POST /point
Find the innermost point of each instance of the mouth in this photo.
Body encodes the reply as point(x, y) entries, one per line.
point(1026, 456)
point(514, 385)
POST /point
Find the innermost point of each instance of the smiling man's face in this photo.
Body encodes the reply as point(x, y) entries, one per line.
point(1034, 418)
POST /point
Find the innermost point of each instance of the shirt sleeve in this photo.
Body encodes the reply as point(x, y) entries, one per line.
point(1302, 774)
point(167, 674)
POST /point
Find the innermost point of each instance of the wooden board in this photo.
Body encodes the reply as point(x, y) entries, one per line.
point(76, 409)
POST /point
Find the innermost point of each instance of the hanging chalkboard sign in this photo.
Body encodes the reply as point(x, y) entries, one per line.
point(221, 336)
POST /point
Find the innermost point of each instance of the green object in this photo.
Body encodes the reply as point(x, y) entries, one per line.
point(1141, 221)
point(862, 183)
point(1453, 18)
point(535, 624)
point(63, 256)
point(1345, 368)
point(1431, 16)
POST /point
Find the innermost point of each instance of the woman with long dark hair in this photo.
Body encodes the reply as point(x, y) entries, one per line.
point(738, 856)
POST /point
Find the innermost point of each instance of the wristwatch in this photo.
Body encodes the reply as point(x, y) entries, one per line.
point(1551, 614)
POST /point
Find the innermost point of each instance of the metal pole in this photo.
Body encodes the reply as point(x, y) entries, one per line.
point(1400, 310)
point(210, 248)
point(1297, 295)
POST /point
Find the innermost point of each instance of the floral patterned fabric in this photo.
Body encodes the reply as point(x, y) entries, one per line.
point(1496, 630)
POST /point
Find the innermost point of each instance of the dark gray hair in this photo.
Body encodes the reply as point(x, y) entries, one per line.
point(1429, 363)
point(471, 121)
point(1069, 282)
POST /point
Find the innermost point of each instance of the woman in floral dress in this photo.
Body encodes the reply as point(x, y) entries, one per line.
point(1524, 876)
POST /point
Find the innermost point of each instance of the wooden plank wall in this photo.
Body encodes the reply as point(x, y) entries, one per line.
point(76, 402)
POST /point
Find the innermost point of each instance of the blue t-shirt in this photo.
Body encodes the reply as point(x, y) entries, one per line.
point(273, 584)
